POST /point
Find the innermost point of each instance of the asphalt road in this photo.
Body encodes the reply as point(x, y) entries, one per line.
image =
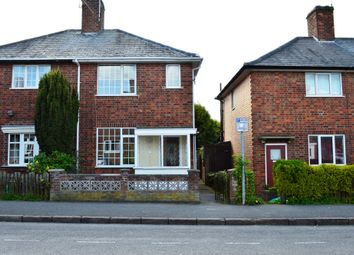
point(41, 238)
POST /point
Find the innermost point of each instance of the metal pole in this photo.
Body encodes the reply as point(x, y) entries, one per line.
point(243, 170)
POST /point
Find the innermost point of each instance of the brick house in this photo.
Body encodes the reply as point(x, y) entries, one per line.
point(136, 98)
point(298, 99)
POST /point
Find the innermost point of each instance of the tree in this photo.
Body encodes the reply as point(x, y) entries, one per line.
point(208, 129)
point(56, 113)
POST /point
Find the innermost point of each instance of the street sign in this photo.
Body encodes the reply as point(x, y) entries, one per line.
point(241, 124)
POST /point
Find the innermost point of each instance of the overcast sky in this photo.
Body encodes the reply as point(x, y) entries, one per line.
point(226, 33)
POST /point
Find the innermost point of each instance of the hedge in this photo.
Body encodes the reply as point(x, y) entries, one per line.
point(298, 182)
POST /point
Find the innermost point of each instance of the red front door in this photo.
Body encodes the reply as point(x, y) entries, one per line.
point(274, 152)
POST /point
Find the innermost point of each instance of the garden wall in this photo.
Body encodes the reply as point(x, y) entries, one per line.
point(124, 187)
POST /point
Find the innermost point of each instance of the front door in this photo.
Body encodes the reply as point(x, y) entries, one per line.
point(274, 152)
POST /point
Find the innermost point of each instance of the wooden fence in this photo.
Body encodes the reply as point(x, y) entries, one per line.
point(23, 183)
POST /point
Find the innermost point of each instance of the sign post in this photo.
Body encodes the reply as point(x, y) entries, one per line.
point(242, 126)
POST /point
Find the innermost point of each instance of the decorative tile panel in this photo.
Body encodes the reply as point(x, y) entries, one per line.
point(131, 186)
point(173, 186)
point(153, 186)
point(95, 186)
point(183, 186)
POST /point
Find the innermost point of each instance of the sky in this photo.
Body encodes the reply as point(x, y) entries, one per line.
point(225, 33)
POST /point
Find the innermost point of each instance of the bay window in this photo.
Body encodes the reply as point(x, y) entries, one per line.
point(327, 149)
point(163, 151)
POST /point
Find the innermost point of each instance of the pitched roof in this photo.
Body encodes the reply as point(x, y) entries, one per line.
point(302, 53)
point(107, 44)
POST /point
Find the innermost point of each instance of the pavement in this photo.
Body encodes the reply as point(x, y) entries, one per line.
point(208, 212)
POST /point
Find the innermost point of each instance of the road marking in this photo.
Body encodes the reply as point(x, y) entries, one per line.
point(168, 243)
point(310, 242)
point(246, 243)
point(95, 242)
point(20, 240)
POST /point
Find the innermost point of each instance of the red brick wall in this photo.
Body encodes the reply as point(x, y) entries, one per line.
point(279, 107)
point(154, 105)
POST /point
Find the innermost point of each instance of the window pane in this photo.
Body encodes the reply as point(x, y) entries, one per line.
point(313, 150)
point(109, 80)
point(43, 69)
point(149, 151)
point(19, 76)
point(339, 146)
point(327, 150)
point(14, 154)
point(128, 151)
point(173, 77)
point(310, 84)
point(183, 148)
point(108, 147)
point(323, 84)
point(171, 153)
point(31, 76)
point(129, 79)
point(336, 86)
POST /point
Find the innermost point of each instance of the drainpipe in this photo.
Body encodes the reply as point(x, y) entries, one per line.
point(78, 116)
point(195, 165)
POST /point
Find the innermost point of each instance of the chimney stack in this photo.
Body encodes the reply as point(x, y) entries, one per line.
point(92, 16)
point(320, 23)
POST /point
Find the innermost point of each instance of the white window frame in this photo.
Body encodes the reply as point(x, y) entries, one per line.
point(121, 151)
point(178, 86)
point(316, 94)
point(319, 148)
point(22, 149)
point(25, 86)
point(122, 79)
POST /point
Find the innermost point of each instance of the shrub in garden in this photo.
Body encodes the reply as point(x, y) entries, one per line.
point(298, 182)
point(57, 160)
point(251, 197)
point(56, 114)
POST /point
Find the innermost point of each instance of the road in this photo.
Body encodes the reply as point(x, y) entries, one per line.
point(42, 238)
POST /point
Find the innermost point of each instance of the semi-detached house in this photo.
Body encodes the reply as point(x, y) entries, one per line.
point(136, 98)
point(299, 101)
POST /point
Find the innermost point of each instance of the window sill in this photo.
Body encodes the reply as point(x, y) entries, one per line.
point(126, 95)
point(316, 96)
point(173, 87)
point(328, 164)
point(118, 167)
point(14, 166)
point(24, 88)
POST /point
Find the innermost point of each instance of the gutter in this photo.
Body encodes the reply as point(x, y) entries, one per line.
point(78, 116)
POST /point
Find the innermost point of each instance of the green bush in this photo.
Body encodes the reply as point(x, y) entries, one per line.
point(220, 185)
point(298, 182)
point(251, 198)
point(57, 160)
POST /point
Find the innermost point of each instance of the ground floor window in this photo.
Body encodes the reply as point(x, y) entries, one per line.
point(115, 147)
point(163, 151)
point(327, 149)
point(22, 148)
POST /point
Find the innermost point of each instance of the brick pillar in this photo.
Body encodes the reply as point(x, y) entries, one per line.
point(193, 180)
point(55, 176)
point(232, 185)
point(124, 183)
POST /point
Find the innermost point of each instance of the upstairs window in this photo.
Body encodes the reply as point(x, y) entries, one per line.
point(116, 80)
point(323, 84)
point(173, 76)
point(28, 76)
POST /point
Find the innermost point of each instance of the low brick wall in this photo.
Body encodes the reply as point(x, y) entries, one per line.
point(124, 187)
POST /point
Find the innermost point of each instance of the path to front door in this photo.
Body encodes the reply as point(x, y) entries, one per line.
point(273, 152)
